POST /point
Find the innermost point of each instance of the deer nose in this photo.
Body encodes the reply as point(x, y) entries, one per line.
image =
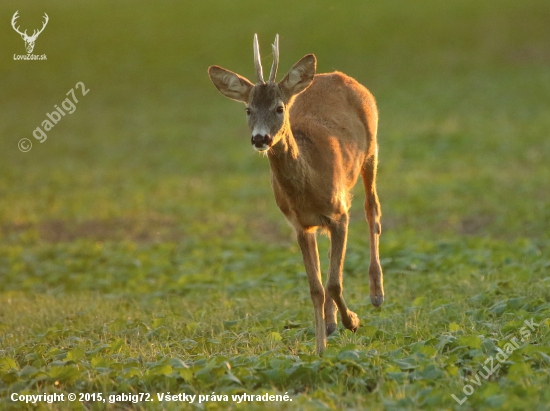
point(260, 141)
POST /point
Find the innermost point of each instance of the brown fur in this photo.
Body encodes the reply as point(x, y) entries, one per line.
point(318, 163)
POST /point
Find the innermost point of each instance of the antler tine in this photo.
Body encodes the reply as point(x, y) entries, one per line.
point(13, 21)
point(44, 25)
point(275, 66)
point(257, 61)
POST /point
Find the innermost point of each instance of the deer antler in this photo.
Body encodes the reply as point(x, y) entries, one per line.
point(275, 48)
point(257, 61)
point(37, 32)
point(13, 19)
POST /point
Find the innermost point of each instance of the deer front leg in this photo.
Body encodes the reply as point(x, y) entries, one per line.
point(308, 245)
point(338, 238)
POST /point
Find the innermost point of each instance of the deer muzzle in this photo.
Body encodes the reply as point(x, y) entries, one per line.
point(261, 142)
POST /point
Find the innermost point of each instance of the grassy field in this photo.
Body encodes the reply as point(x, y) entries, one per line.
point(141, 250)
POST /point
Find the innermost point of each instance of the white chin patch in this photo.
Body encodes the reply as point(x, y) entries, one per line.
point(260, 149)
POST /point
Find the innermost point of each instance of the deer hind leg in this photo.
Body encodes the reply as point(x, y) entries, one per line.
point(330, 313)
point(373, 213)
point(338, 238)
point(310, 254)
point(330, 309)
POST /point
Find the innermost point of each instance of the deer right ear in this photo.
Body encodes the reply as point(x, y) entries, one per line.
point(300, 76)
point(230, 84)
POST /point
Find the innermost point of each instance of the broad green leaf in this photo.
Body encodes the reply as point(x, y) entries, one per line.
point(7, 363)
point(472, 341)
point(453, 327)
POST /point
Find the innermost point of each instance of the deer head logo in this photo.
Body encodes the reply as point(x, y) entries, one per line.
point(29, 40)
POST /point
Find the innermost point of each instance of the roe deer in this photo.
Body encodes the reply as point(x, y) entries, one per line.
point(319, 132)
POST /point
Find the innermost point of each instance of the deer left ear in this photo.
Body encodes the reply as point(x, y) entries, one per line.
point(230, 84)
point(300, 76)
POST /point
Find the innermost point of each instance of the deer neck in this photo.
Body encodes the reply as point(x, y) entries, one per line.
point(287, 163)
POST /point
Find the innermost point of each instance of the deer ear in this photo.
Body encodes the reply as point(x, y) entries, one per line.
point(230, 84)
point(300, 76)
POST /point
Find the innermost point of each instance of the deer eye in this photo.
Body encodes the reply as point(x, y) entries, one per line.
point(280, 109)
point(247, 111)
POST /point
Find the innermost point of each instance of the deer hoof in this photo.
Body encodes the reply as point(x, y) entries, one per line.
point(331, 328)
point(376, 300)
point(352, 323)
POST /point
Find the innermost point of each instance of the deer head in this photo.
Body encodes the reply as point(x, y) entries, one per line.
point(29, 40)
point(267, 103)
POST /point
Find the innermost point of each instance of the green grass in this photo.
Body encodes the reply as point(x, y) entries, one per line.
point(141, 249)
